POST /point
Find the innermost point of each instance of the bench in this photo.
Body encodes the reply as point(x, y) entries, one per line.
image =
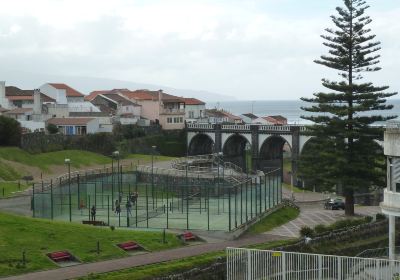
point(188, 236)
point(95, 223)
point(60, 256)
point(130, 245)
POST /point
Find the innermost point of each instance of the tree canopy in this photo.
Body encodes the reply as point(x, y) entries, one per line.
point(345, 117)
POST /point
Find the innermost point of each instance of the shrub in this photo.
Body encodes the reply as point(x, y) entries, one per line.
point(10, 132)
point(368, 219)
point(52, 128)
point(320, 229)
point(380, 217)
point(306, 231)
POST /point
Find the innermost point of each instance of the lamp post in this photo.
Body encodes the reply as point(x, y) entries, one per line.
point(153, 148)
point(116, 155)
point(291, 184)
point(247, 149)
point(218, 186)
point(67, 161)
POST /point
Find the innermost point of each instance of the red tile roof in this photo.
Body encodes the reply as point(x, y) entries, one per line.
point(193, 101)
point(19, 111)
point(93, 94)
point(70, 91)
point(69, 121)
point(141, 94)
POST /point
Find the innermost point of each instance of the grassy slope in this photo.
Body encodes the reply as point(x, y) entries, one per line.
point(39, 237)
point(166, 268)
point(8, 173)
point(10, 188)
point(279, 217)
point(45, 160)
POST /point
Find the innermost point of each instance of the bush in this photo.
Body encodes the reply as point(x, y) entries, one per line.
point(52, 128)
point(10, 132)
point(368, 219)
point(306, 231)
point(320, 229)
point(380, 217)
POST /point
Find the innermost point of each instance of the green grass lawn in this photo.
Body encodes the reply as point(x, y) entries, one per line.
point(294, 188)
point(147, 158)
point(171, 267)
point(7, 173)
point(9, 188)
point(45, 160)
point(38, 237)
point(279, 217)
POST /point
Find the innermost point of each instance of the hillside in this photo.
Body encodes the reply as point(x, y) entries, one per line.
point(38, 237)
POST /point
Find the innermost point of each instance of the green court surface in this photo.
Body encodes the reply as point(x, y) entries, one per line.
point(163, 201)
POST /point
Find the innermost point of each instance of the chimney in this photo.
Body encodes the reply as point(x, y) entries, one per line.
point(3, 98)
point(37, 102)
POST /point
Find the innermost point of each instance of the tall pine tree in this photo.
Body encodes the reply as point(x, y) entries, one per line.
point(347, 152)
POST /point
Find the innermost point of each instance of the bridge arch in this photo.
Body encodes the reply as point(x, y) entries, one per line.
point(235, 149)
point(274, 151)
point(200, 144)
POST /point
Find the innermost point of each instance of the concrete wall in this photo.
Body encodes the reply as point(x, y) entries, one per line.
point(198, 111)
point(93, 126)
point(150, 109)
point(3, 100)
point(391, 144)
point(60, 95)
point(130, 109)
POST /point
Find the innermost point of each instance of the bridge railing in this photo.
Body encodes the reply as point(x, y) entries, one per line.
point(245, 127)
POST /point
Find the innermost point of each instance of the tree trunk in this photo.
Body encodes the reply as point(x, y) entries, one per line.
point(349, 203)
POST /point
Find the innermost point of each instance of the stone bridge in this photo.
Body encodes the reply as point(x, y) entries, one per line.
point(262, 145)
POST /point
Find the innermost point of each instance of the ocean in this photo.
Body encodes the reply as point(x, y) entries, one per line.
point(290, 109)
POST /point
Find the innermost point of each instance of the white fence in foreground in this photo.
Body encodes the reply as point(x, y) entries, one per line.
point(247, 264)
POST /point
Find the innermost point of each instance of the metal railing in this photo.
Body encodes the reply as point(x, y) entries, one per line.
point(258, 264)
point(378, 252)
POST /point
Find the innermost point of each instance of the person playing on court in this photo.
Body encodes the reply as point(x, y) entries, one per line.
point(93, 213)
point(128, 207)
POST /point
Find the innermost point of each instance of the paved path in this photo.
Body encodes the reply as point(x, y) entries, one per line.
point(139, 260)
point(315, 214)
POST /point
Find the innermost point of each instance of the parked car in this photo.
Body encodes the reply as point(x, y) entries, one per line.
point(334, 204)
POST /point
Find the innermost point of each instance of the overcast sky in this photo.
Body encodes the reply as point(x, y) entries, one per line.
point(260, 49)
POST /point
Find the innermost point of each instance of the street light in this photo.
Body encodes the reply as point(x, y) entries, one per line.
point(67, 161)
point(220, 154)
point(116, 155)
point(247, 149)
point(153, 148)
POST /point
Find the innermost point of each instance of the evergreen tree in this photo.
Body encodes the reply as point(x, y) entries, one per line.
point(348, 153)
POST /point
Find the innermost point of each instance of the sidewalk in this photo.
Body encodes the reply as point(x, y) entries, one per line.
point(140, 260)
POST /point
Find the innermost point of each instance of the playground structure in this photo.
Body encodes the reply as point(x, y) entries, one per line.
point(200, 192)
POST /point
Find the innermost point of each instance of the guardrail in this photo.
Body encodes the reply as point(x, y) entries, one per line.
point(259, 264)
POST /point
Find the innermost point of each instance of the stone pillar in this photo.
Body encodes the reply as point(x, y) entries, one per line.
point(392, 237)
point(218, 138)
point(254, 146)
point(295, 130)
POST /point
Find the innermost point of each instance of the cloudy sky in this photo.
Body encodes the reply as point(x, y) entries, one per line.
point(249, 49)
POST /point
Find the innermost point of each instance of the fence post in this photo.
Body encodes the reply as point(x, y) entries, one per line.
point(249, 265)
point(339, 276)
point(319, 267)
point(283, 256)
point(51, 199)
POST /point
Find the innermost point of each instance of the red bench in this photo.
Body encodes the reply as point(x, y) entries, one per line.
point(130, 245)
point(60, 256)
point(188, 236)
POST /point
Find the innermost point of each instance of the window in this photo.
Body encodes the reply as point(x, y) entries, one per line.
point(169, 120)
point(191, 114)
point(181, 119)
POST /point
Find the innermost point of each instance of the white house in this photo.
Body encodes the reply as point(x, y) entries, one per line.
point(391, 195)
point(248, 117)
point(194, 110)
point(76, 126)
